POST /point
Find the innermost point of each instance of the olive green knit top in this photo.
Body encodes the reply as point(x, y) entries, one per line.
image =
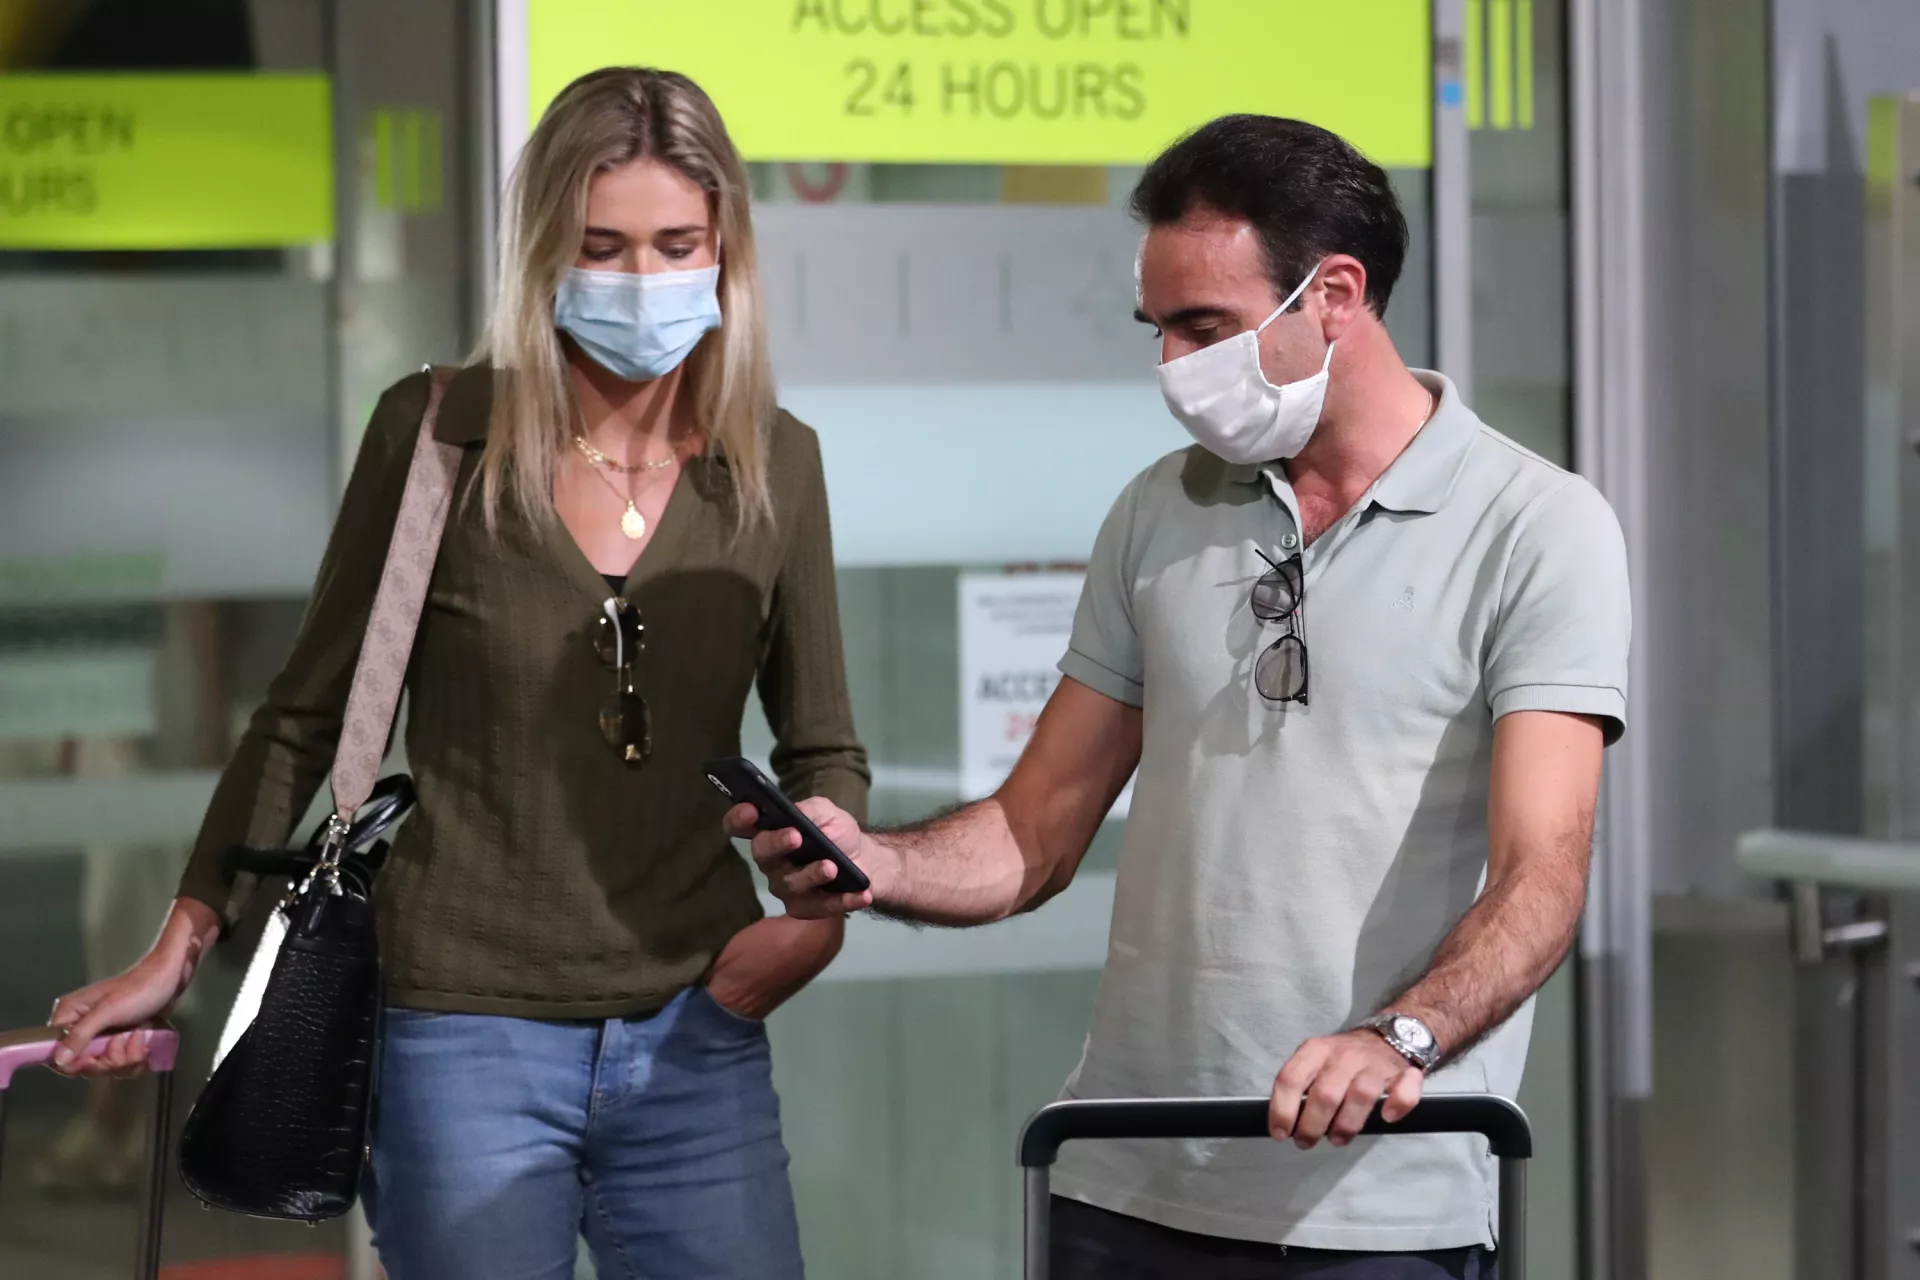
point(541, 875)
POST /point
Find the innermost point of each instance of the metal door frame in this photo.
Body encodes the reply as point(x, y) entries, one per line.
point(1610, 267)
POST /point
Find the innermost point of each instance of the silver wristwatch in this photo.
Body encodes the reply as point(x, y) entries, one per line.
point(1409, 1036)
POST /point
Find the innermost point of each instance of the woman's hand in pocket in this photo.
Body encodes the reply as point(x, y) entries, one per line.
point(768, 962)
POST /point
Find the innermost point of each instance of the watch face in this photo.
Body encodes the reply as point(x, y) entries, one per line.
point(1414, 1033)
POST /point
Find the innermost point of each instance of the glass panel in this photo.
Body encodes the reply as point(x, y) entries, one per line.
point(1521, 305)
point(901, 1100)
point(1515, 81)
point(169, 467)
point(1719, 1168)
point(167, 478)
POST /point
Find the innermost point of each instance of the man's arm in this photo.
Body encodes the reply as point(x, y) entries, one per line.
point(986, 861)
point(1544, 785)
point(1546, 780)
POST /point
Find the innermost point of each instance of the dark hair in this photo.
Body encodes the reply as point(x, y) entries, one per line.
point(1306, 191)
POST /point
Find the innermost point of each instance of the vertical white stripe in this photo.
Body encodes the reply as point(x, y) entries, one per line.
point(510, 83)
point(1610, 443)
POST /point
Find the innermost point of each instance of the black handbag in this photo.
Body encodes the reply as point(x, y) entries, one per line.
point(280, 1131)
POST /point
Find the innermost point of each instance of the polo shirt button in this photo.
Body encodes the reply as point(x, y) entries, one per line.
point(1289, 541)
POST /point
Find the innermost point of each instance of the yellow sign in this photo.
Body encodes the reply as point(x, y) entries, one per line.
point(408, 165)
point(165, 161)
point(1883, 144)
point(1089, 82)
point(1499, 64)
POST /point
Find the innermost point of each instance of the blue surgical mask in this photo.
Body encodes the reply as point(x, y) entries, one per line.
point(638, 327)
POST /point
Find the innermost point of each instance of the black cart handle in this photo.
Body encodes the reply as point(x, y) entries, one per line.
point(1502, 1123)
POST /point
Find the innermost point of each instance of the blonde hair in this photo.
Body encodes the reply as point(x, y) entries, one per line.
point(601, 121)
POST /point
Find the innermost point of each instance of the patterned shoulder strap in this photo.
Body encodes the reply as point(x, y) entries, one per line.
point(382, 669)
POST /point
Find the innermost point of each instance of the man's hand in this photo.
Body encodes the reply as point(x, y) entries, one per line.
point(800, 886)
point(1332, 1084)
point(984, 861)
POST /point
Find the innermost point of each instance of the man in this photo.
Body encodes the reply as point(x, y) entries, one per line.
point(1365, 653)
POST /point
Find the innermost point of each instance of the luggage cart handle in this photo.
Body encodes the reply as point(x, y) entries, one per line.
point(35, 1047)
point(1502, 1123)
point(1499, 1121)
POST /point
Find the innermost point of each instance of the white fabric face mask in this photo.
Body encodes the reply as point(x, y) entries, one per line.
point(1223, 399)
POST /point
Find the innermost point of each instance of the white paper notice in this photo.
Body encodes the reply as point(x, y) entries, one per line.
point(1014, 628)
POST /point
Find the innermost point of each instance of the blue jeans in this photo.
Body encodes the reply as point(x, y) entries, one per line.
point(498, 1142)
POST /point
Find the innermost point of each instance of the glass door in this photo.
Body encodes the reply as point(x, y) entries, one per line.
point(951, 305)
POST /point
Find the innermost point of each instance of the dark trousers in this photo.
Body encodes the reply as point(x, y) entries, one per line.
point(1094, 1244)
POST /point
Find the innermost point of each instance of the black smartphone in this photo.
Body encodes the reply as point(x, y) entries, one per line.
point(741, 782)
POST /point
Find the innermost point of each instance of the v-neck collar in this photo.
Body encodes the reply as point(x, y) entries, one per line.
point(664, 545)
point(465, 415)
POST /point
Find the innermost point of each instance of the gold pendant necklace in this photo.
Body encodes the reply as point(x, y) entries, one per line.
point(633, 525)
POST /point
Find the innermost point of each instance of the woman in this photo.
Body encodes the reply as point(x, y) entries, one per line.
point(576, 966)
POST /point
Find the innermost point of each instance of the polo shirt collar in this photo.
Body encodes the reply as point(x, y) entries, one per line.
point(1422, 477)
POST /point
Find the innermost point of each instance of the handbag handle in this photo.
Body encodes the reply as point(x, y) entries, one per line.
point(381, 672)
point(391, 800)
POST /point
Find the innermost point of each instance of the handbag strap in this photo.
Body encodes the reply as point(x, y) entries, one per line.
point(382, 669)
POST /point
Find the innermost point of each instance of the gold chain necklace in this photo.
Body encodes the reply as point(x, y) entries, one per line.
point(606, 463)
point(633, 525)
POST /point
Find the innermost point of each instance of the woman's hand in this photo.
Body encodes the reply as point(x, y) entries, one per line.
point(768, 962)
point(126, 1001)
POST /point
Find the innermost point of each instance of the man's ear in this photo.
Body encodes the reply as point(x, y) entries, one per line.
point(1343, 288)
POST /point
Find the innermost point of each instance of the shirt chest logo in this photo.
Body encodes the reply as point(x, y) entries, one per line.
point(1404, 601)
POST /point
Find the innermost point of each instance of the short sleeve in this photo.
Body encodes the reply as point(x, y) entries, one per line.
point(1104, 653)
point(1565, 623)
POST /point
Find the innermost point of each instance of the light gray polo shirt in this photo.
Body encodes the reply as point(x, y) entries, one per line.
point(1287, 870)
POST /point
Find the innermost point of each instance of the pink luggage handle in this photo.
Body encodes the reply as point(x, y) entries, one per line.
point(35, 1047)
